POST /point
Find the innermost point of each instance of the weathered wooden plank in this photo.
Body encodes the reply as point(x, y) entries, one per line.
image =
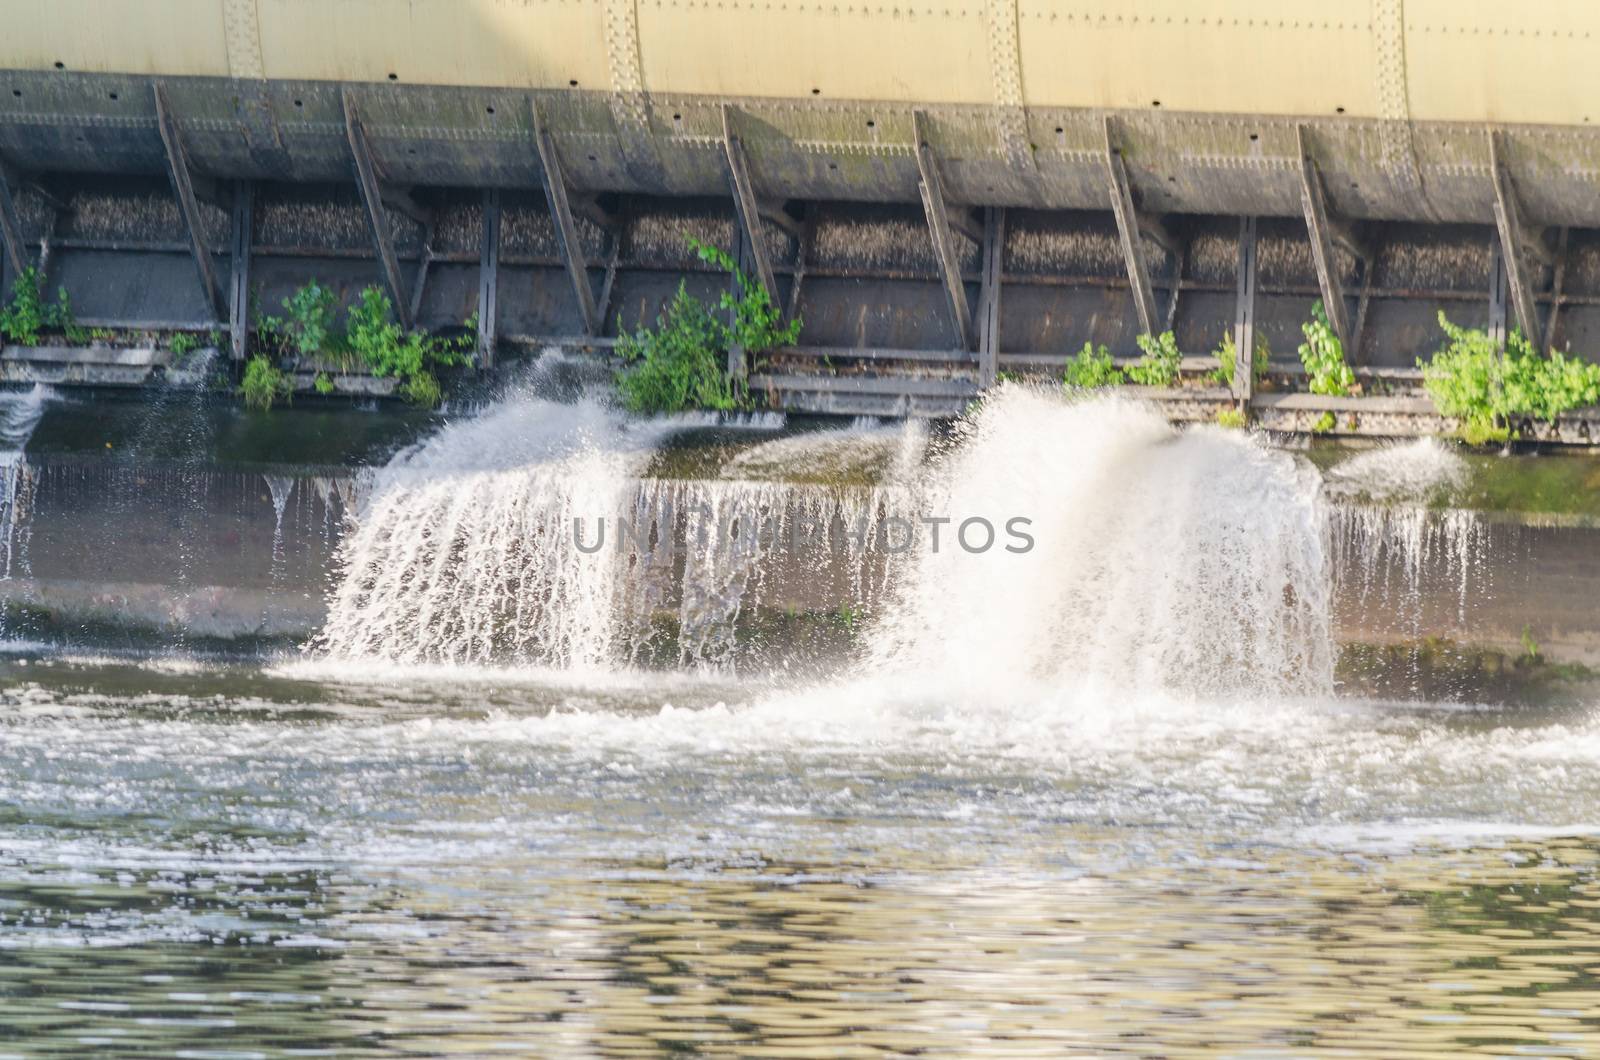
point(1128, 232)
point(994, 242)
point(183, 189)
point(1314, 202)
point(366, 172)
point(488, 278)
point(10, 227)
point(555, 193)
point(1244, 313)
point(239, 270)
point(1558, 283)
point(863, 384)
point(745, 204)
point(936, 208)
point(1514, 238)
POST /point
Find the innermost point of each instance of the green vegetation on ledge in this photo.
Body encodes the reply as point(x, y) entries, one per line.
point(1092, 369)
point(28, 314)
point(1490, 387)
point(371, 340)
point(1322, 354)
point(1159, 365)
point(683, 362)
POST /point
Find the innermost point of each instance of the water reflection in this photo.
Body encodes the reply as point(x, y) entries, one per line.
point(1487, 950)
point(211, 860)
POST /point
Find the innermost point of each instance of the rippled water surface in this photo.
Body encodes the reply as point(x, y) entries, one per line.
point(208, 858)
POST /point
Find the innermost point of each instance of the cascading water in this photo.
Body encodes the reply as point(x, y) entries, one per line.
point(1185, 562)
point(1395, 525)
point(465, 552)
point(1189, 561)
point(20, 412)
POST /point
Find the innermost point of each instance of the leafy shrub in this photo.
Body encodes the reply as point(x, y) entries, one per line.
point(757, 324)
point(264, 383)
point(371, 339)
point(28, 313)
point(1488, 387)
point(1232, 418)
point(1227, 356)
point(309, 328)
point(1325, 423)
point(1322, 354)
point(682, 362)
point(377, 341)
point(1092, 368)
point(323, 383)
point(183, 344)
point(1159, 365)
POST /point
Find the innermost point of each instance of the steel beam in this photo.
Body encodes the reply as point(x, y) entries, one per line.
point(1514, 239)
point(1314, 201)
point(239, 272)
point(488, 278)
point(183, 189)
point(1244, 316)
point(744, 202)
point(1128, 230)
point(10, 227)
point(994, 242)
point(555, 193)
point(936, 207)
point(366, 171)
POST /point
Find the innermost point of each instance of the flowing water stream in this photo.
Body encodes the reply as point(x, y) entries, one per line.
point(761, 772)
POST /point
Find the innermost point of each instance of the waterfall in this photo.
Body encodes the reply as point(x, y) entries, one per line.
point(1396, 532)
point(1200, 562)
point(20, 413)
point(1164, 560)
point(464, 549)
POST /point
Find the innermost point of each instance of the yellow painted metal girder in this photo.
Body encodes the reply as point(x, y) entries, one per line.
point(1450, 60)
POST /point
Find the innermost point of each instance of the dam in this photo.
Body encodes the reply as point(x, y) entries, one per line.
point(974, 206)
point(604, 528)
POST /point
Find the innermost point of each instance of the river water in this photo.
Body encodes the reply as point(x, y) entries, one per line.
point(1117, 793)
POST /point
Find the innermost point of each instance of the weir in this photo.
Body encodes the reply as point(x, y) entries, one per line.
point(564, 535)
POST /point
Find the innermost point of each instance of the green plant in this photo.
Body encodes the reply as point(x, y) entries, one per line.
point(422, 389)
point(323, 383)
point(1092, 368)
point(1322, 354)
point(264, 383)
point(1488, 387)
point(682, 362)
point(1232, 418)
point(1227, 355)
point(1325, 423)
point(28, 313)
point(1159, 365)
point(1530, 646)
point(183, 344)
point(374, 338)
point(757, 325)
point(308, 329)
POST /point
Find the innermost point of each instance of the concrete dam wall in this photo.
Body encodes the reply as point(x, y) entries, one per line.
point(940, 193)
